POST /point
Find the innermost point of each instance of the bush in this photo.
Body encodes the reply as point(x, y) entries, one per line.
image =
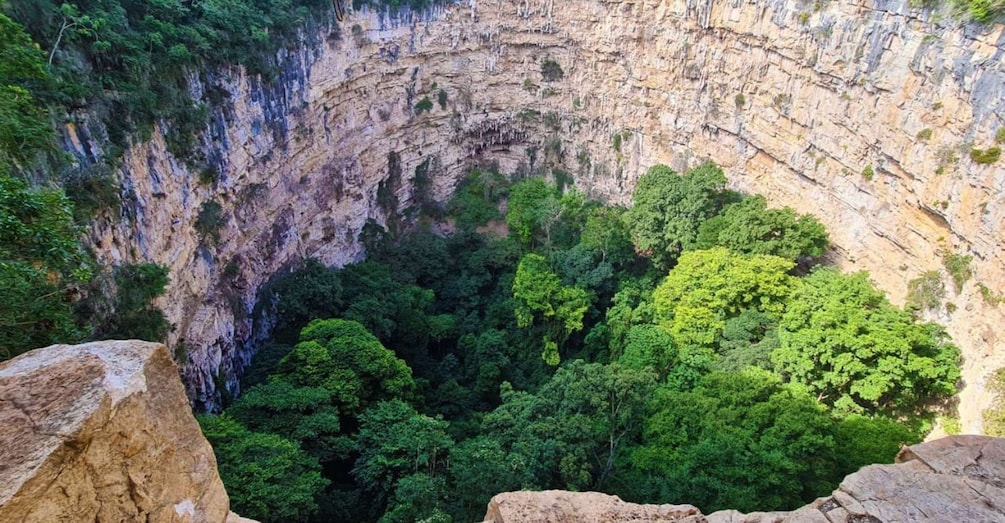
point(209, 221)
point(926, 291)
point(551, 71)
point(868, 173)
point(958, 266)
point(986, 156)
point(924, 134)
point(424, 105)
point(135, 316)
point(441, 97)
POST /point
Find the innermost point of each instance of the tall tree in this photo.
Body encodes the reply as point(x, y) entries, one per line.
point(540, 293)
point(842, 339)
point(708, 287)
point(750, 227)
point(668, 209)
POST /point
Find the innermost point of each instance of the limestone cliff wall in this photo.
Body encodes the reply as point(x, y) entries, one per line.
point(827, 88)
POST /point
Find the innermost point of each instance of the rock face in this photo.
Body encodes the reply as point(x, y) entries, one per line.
point(960, 478)
point(103, 432)
point(861, 112)
point(559, 506)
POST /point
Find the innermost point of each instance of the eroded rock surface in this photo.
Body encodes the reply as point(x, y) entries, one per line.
point(103, 432)
point(959, 478)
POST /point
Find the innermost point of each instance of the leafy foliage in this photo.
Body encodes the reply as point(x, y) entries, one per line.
point(750, 227)
point(843, 340)
point(42, 266)
point(464, 365)
point(740, 441)
point(668, 209)
point(708, 287)
point(135, 316)
point(268, 478)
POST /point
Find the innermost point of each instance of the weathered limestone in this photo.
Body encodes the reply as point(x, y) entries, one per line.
point(959, 478)
point(103, 432)
point(795, 99)
point(559, 506)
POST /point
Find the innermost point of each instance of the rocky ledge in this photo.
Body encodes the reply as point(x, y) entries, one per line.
point(103, 432)
point(959, 478)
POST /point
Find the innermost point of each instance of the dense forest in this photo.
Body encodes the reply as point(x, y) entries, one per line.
point(689, 349)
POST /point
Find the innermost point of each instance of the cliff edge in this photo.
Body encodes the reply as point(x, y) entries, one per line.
point(959, 478)
point(103, 432)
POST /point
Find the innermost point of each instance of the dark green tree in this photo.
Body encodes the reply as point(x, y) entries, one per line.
point(750, 227)
point(267, 477)
point(668, 209)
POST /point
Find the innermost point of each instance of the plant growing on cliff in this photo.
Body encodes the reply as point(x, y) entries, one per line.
point(209, 221)
point(958, 266)
point(985, 156)
point(134, 315)
point(868, 173)
point(927, 291)
point(551, 71)
point(424, 105)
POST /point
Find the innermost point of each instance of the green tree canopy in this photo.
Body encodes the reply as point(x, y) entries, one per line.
point(344, 358)
point(842, 338)
point(668, 209)
point(750, 227)
point(268, 478)
point(539, 292)
point(396, 442)
point(42, 267)
point(740, 441)
point(708, 287)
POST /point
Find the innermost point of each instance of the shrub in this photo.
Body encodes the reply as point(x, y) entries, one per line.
point(740, 100)
point(924, 134)
point(441, 97)
point(1000, 135)
point(424, 105)
point(868, 173)
point(209, 221)
point(551, 71)
point(986, 156)
point(958, 266)
point(926, 291)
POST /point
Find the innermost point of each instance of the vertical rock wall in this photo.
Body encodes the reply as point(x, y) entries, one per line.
point(795, 99)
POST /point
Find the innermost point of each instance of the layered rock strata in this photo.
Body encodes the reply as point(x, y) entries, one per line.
point(959, 478)
point(103, 432)
point(861, 112)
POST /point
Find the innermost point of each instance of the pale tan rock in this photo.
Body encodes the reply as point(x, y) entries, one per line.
point(102, 432)
point(558, 506)
point(234, 518)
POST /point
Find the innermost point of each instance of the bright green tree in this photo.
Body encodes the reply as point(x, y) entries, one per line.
point(708, 287)
point(540, 293)
point(668, 209)
point(750, 227)
point(842, 339)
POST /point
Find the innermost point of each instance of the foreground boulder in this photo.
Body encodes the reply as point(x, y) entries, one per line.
point(959, 478)
point(102, 432)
